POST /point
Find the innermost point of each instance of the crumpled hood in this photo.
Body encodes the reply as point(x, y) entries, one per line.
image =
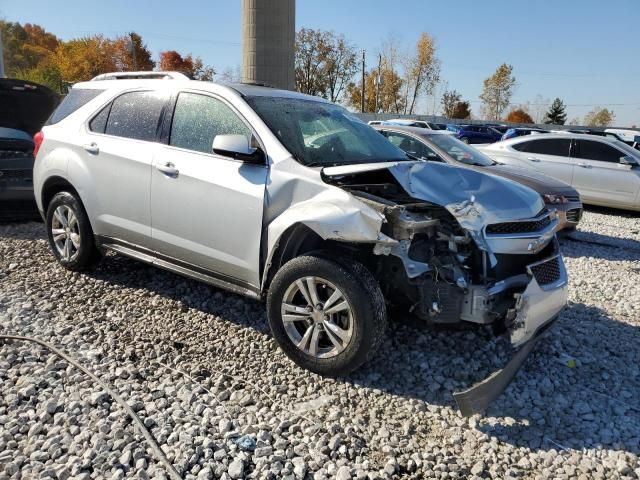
point(539, 182)
point(496, 198)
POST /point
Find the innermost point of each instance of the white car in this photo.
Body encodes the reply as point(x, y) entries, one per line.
point(603, 170)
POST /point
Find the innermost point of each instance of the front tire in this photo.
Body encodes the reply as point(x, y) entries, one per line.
point(69, 232)
point(328, 316)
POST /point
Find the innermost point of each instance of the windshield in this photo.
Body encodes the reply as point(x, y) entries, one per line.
point(460, 151)
point(323, 134)
point(632, 152)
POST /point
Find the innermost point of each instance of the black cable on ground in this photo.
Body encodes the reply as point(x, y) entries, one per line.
point(173, 473)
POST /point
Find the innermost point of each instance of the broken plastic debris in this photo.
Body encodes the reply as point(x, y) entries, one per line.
point(567, 360)
point(246, 443)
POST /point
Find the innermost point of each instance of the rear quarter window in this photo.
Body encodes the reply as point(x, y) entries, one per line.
point(77, 98)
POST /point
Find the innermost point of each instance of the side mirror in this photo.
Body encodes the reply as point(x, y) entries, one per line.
point(628, 160)
point(237, 147)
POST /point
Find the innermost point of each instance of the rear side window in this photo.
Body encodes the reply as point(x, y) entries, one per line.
point(591, 150)
point(135, 115)
point(99, 123)
point(546, 146)
point(77, 97)
point(197, 120)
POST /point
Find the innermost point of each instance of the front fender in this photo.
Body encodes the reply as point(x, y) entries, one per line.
point(333, 215)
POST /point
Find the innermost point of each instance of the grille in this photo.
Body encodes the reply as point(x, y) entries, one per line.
point(547, 272)
point(572, 198)
point(574, 214)
point(12, 154)
point(15, 173)
point(518, 227)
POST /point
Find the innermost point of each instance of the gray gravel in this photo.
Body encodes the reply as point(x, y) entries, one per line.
point(242, 410)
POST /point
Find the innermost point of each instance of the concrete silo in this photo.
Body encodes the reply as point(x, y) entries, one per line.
point(268, 42)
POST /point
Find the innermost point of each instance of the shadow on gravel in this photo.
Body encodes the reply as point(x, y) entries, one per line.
point(612, 211)
point(547, 406)
point(601, 246)
point(22, 230)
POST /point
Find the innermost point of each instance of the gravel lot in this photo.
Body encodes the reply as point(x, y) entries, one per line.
point(241, 409)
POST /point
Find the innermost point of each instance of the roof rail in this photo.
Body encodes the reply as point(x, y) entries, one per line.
point(141, 75)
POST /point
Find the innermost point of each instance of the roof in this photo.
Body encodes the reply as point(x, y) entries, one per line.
point(126, 80)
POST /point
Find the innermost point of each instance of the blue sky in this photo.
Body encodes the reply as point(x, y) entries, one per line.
point(583, 51)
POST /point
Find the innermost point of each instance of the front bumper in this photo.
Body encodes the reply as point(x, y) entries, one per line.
point(477, 398)
point(535, 310)
point(569, 215)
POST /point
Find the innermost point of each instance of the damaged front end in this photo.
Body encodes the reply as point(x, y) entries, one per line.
point(468, 247)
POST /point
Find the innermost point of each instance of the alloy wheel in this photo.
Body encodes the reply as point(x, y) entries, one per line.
point(317, 317)
point(65, 232)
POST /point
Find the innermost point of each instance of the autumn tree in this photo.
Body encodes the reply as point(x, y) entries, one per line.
point(191, 66)
point(422, 71)
point(449, 101)
point(461, 110)
point(130, 54)
point(519, 115)
point(389, 92)
point(83, 58)
point(340, 66)
point(557, 114)
point(325, 62)
point(29, 52)
point(497, 91)
point(599, 117)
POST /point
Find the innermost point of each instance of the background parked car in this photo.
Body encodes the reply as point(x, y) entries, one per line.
point(412, 123)
point(604, 171)
point(24, 107)
point(475, 133)
point(441, 146)
point(521, 132)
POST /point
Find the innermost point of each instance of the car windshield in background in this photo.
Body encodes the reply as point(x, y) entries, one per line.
point(460, 151)
point(323, 134)
point(630, 151)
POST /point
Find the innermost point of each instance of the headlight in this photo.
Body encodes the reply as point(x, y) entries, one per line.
point(555, 199)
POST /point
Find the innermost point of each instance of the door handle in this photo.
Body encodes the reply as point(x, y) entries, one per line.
point(584, 165)
point(533, 159)
point(92, 148)
point(169, 169)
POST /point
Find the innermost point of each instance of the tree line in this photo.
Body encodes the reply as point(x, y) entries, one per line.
point(32, 53)
point(326, 64)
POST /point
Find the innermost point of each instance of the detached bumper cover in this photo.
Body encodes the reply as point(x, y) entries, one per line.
point(536, 309)
point(477, 398)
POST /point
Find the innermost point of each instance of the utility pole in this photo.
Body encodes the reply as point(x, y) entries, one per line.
point(379, 79)
point(133, 53)
point(363, 87)
point(1, 57)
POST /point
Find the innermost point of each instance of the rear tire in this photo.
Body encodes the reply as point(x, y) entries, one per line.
point(69, 232)
point(319, 339)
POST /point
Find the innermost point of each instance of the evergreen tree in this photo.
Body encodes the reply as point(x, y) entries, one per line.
point(556, 114)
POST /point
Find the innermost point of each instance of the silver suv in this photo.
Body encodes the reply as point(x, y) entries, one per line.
point(289, 198)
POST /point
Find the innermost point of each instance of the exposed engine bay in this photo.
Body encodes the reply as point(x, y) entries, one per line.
point(443, 272)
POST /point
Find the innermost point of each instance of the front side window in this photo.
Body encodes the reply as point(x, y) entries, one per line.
point(591, 150)
point(321, 133)
point(197, 119)
point(412, 146)
point(546, 146)
point(136, 115)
